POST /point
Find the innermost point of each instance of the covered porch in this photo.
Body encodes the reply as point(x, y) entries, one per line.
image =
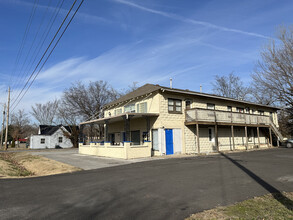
point(125, 136)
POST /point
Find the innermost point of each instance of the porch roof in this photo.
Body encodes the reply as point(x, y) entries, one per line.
point(119, 117)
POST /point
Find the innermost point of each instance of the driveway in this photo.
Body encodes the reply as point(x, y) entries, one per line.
point(159, 189)
point(86, 162)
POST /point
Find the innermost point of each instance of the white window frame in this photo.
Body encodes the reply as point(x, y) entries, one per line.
point(211, 106)
point(43, 140)
point(131, 108)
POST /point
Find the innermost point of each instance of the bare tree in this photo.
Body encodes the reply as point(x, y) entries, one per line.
point(262, 95)
point(45, 113)
point(20, 125)
point(82, 103)
point(230, 86)
point(274, 74)
point(274, 71)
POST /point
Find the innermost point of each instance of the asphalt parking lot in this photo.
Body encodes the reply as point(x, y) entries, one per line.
point(85, 162)
point(157, 189)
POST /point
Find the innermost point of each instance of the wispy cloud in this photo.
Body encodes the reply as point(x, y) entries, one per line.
point(88, 18)
point(191, 21)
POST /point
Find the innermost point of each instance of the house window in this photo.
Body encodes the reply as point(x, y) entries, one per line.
point(211, 135)
point(211, 106)
point(229, 108)
point(187, 104)
point(118, 111)
point(142, 107)
point(60, 139)
point(129, 108)
point(174, 105)
point(261, 112)
point(42, 140)
point(241, 110)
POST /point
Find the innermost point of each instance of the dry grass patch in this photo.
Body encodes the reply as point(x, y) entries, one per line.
point(271, 206)
point(24, 164)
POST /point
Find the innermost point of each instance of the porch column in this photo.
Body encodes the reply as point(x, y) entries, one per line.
point(81, 135)
point(216, 137)
point(106, 131)
point(148, 127)
point(233, 141)
point(271, 139)
point(246, 138)
point(257, 129)
point(197, 138)
point(127, 127)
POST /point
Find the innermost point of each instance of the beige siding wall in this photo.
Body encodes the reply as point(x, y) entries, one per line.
point(151, 100)
point(224, 138)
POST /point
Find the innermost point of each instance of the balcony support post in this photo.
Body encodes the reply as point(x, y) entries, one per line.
point(233, 141)
point(127, 127)
point(216, 137)
point(106, 131)
point(148, 127)
point(257, 129)
point(271, 140)
point(246, 138)
point(197, 138)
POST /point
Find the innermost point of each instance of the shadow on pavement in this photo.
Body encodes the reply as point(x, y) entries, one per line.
point(279, 196)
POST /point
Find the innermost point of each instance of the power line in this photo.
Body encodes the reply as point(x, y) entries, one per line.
point(41, 43)
point(24, 38)
point(51, 51)
point(45, 52)
point(34, 40)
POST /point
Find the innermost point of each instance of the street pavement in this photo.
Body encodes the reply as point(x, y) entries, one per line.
point(158, 189)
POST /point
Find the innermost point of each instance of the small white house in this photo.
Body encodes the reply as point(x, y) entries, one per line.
point(51, 136)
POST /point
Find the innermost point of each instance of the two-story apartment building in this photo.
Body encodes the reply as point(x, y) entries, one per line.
point(157, 120)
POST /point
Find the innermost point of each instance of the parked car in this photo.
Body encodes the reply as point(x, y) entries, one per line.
point(289, 143)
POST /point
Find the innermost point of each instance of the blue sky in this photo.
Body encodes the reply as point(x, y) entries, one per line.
point(144, 41)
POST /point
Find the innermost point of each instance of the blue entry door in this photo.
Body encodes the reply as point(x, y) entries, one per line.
point(169, 141)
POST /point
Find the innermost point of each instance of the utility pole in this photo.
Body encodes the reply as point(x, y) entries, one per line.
point(2, 130)
point(7, 119)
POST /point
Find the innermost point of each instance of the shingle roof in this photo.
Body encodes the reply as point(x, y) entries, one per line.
point(149, 88)
point(48, 129)
point(51, 129)
point(145, 89)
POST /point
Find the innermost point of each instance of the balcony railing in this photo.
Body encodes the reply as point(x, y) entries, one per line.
point(225, 117)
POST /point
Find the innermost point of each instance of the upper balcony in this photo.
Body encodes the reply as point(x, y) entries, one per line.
point(207, 116)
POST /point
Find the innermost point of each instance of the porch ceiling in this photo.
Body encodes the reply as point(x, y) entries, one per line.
point(119, 117)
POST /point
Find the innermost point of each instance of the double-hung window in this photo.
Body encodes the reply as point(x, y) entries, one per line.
point(129, 108)
point(174, 106)
point(142, 107)
point(42, 140)
point(211, 106)
point(187, 104)
point(60, 139)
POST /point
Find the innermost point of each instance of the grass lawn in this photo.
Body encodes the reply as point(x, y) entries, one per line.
point(22, 164)
point(271, 206)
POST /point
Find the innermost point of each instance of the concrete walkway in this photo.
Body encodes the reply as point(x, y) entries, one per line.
point(86, 162)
